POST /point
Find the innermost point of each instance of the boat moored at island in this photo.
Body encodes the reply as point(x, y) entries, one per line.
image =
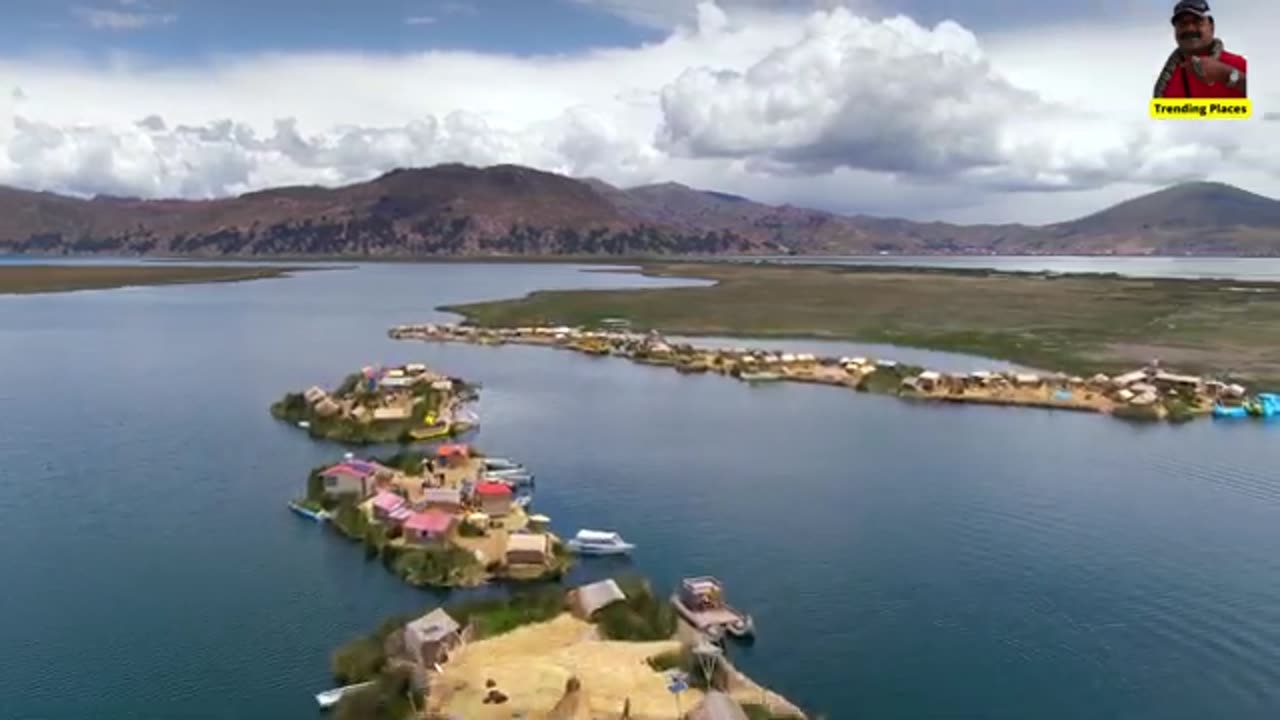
point(316, 515)
point(512, 481)
point(700, 601)
point(493, 464)
point(599, 542)
point(1264, 405)
point(519, 476)
point(329, 698)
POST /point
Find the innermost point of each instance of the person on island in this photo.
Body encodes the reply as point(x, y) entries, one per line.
point(1200, 67)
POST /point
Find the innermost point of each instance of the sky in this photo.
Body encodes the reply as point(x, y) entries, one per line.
point(987, 111)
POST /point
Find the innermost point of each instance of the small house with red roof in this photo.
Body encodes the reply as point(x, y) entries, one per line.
point(453, 455)
point(352, 477)
point(494, 498)
point(428, 528)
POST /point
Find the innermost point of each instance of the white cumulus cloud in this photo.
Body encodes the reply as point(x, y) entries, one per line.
point(891, 96)
point(824, 108)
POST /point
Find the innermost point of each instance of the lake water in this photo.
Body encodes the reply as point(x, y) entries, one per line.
point(902, 561)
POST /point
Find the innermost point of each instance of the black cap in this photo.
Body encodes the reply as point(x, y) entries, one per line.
point(1199, 8)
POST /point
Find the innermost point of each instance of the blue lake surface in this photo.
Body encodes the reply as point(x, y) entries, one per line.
point(902, 561)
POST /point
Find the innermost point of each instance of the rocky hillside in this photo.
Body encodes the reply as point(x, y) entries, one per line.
point(512, 210)
point(444, 210)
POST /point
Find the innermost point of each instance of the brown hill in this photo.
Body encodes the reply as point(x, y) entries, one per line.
point(444, 210)
point(511, 210)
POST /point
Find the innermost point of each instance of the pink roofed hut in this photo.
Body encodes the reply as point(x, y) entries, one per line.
point(385, 503)
point(428, 528)
point(494, 498)
point(353, 477)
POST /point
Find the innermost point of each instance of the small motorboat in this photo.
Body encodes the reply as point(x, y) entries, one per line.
point(1229, 411)
point(599, 542)
point(329, 698)
point(700, 601)
point(508, 472)
point(317, 515)
point(761, 376)
point(304, 424)
point(511, 477)
point(496, 463)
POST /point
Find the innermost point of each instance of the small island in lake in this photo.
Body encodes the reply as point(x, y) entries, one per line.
point(605, 650)
point(1148, 393)
point(383, 405)
point(35, 278)
point(446, 518)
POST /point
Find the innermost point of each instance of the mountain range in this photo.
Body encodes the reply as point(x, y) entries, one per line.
point(506, 210)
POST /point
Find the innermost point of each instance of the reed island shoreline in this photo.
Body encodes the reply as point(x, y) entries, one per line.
point(1079, 324)
point(1144, 394)
point(610, 649)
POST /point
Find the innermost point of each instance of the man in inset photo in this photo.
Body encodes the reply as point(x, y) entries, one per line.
point(1200, 67)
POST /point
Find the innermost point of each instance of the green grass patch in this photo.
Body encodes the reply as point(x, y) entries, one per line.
point(349, 520)
point(495, 616)
point(642, 617)
point(445, 566)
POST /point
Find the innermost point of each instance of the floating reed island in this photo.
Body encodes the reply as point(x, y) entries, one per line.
point(1149, 393)
point(612, 649)
point(448, 517)
point(405, 403)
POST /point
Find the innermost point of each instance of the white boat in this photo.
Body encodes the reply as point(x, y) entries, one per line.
point(329, 698)
point(509, 472)
point(304, 424)
point(511, 477)
point(497, 463)
point(599, 542)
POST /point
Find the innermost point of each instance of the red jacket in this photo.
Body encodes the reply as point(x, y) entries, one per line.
point(1184, 80)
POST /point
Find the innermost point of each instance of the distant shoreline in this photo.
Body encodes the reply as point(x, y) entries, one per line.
point(31, 279)
point(599, 259)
